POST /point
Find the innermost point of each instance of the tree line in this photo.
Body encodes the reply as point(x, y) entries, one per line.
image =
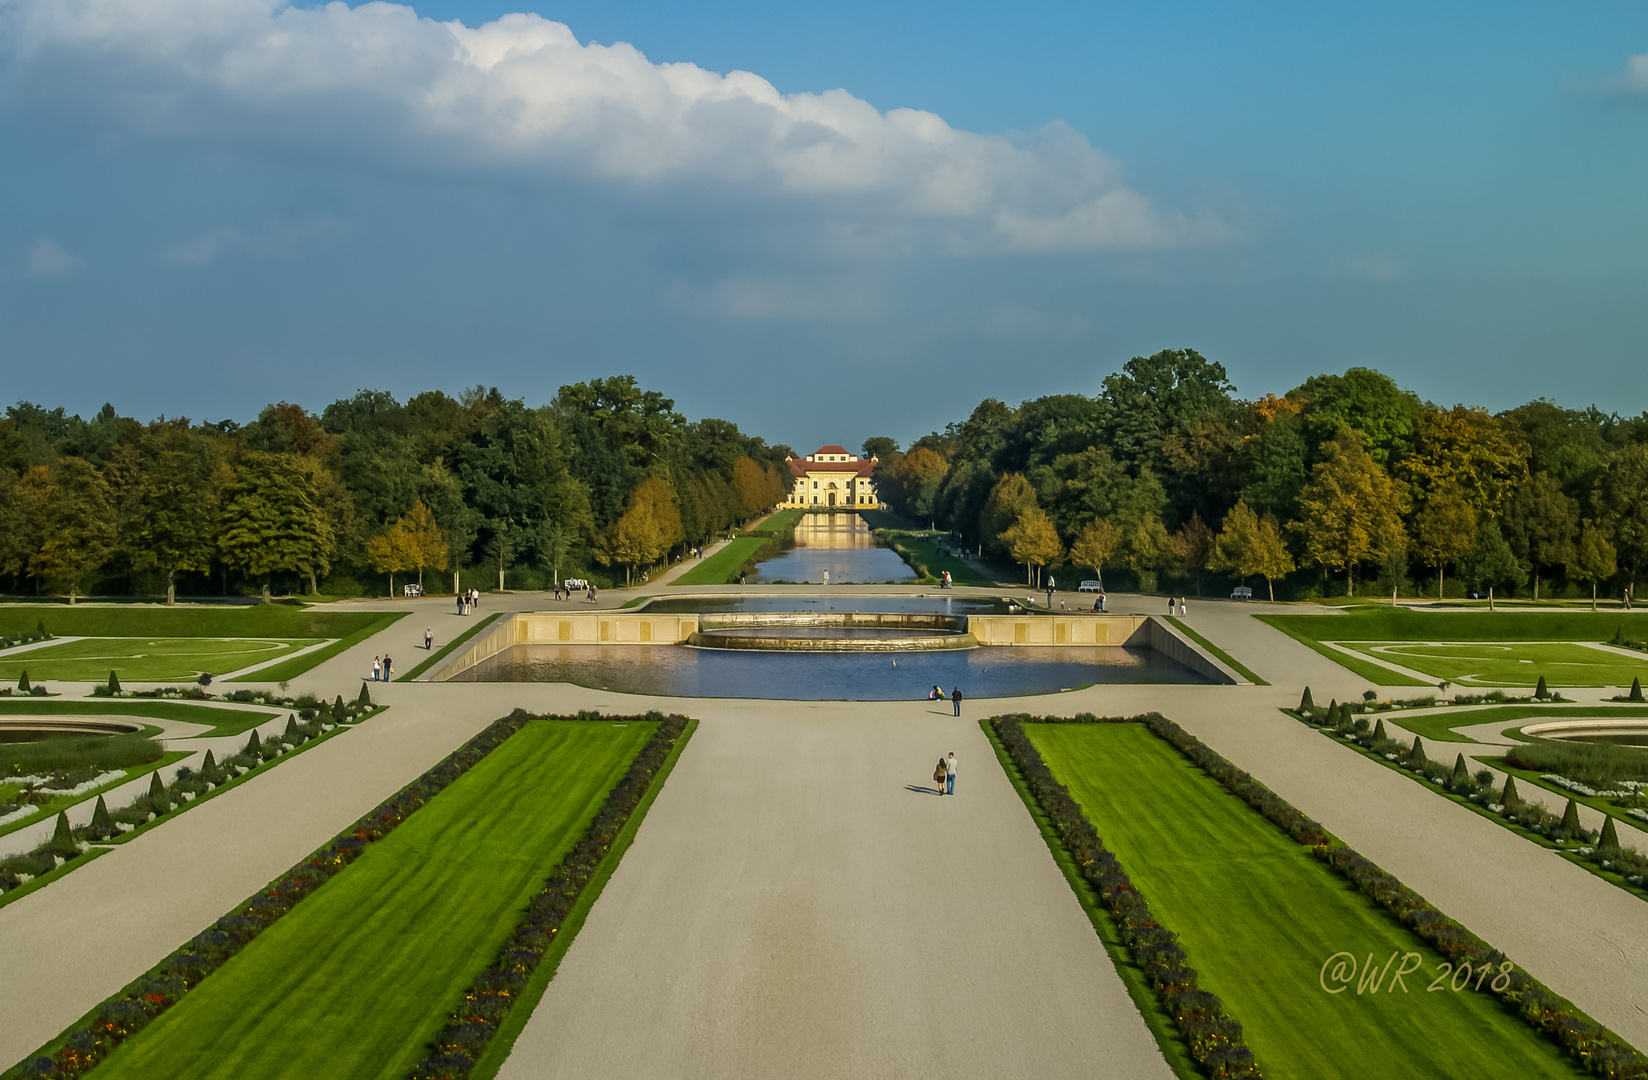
point(606, 476)
point(1345, 478)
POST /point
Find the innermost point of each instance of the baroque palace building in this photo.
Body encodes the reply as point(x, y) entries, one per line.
point(830, 476)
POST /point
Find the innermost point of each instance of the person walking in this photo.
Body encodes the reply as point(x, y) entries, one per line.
point(460, 599)
point(1183, 611)
point(428, 638)
point(388, 665)
point(950, 773)
point(377, 669)
point(955, 699)
point(940, 771)
point(1170, 605)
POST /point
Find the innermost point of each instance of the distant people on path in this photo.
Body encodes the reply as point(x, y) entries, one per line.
point(1104, 602)
point(428, 638)
point(1170, 605)
point(936, 693)
point(950, 773)
point(940, 771)
point(1182, 610)
point(460, 603)
point(377, 669)
point(826, 577)
point(388, 664)
point(955, 699)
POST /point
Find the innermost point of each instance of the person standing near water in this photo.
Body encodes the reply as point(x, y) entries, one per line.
point(955, 699)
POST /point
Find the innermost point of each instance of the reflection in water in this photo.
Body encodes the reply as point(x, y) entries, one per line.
point(938, 603)
point(841, 544)
point(680, 671)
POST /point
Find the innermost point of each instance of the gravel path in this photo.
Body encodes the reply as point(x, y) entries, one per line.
point(801, 900)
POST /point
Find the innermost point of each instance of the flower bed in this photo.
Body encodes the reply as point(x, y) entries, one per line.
point(137, 1005)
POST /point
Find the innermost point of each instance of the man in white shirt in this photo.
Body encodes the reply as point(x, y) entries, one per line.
point(950, 773)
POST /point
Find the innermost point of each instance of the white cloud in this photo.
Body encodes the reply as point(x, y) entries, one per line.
point(1380, 266)
point(279, 238)
point(523, 93)
point(49, 259)
point(1636, 73)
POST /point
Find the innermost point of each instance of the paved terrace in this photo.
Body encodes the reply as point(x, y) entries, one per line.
point(791, 899)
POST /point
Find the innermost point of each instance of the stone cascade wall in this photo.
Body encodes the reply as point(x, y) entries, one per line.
point(956, 624)
point(1059, 629)
point(573, 628)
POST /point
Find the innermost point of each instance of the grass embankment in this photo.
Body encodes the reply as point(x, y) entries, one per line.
point(1259, 916)
point(448, 649)
point(221, 721)
point(1229, 661)
point(358, 977)
point(150, 660)
point(723, 567)
point(1377, 674)
point(918, 548)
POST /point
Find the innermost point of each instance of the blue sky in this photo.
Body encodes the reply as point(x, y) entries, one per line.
point(211, 204)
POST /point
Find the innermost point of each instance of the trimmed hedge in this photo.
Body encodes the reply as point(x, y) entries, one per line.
point(1213, 1037)
point(136, 1006)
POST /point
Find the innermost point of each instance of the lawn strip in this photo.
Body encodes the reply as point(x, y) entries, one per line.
point(1377, 674)
point(446, 650)
point(1156, 1018)
point(526, 1001)
point(1381, 623)
point(296, 666)
point(1613, 877)
point(221, 721)
point(1212, 1036)
point(152, 995)
point(250, 620)
point(1230, 661)
point(721, 568)
point(1262, 935)
point(59, 805)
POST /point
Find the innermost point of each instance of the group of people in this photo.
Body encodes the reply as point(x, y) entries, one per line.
point(564, 591)
point(468, 601)
point(944, 773)
point(944, 581)
point(937, 694)
point(1179, 600)
point(382, 668)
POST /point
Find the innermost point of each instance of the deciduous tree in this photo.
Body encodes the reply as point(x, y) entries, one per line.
point(1446, 527)
point(1595, 560)
point(270, 520)
point(78, 524)
point(1096, 546)
point(1033, 541)
point(1350, 507)
point(1490, 563)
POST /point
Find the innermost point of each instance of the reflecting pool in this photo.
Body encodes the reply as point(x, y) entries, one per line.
point(682, 671)
point(840, 545)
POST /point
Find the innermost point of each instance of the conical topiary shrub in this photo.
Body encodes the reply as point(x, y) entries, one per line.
point(1570, 826)
point(23, 686)
point(62, 841)
point(364, 698)
point(1461, 773)
point(1636, 689)
point(1416, 754)
point(40, 628)
point(1509, 796)
point(292, 736)
point(254, 746)
point(1608, 843)
point(337, 709)
point(1379, 735)
point(102, 823)
point(211, 771)
point(160, 800)
point(1619, 635)
point(1306, 705)
point(1540, 691)
point(114, 683)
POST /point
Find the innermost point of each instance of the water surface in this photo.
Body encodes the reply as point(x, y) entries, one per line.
point(840, 545)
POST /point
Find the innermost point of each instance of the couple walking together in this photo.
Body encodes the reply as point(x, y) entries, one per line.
point(944, 774)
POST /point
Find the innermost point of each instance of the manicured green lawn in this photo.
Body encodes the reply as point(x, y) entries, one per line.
point(1385, 624)
point(1510, 663)
point(142, 659)
point(1259, 916)
point(222, 721)
point(145, 620)
point(721, 568)
point(360, 975)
